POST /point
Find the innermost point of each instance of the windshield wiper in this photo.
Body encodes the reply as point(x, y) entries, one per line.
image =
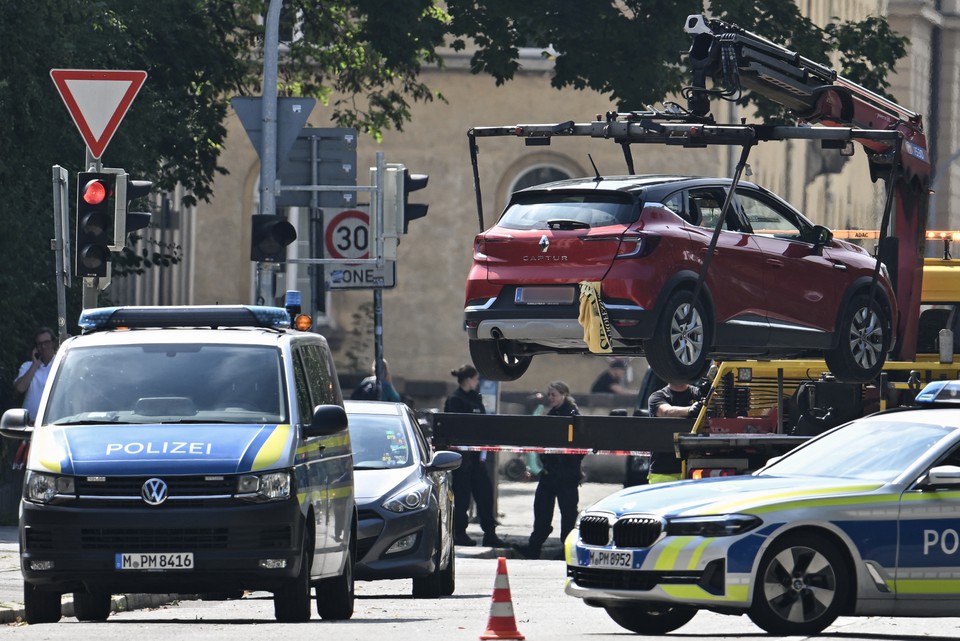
point(567, 223)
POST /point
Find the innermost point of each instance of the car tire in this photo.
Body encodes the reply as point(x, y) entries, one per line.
point(678, 349)
point(92, 606)
point(40, 606)
point(494, 364)
point(448, 577)
point(291, 603)
point(335, 596)
point(864, 338)
point(647, 618)
point(800, 587)
point(433, 585)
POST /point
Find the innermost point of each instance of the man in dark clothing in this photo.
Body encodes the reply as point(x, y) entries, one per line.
point(676, 400)
point(471, 478)
point(559, 481)
point(611, 381)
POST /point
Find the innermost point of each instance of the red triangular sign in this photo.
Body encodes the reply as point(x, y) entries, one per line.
point(97, 101)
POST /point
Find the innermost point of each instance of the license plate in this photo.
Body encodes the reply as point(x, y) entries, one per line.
point(545, 295)
point(611, 559)
point(154, 561)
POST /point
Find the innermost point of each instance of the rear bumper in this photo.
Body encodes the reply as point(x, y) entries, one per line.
point(501, 317)
point(227, 543)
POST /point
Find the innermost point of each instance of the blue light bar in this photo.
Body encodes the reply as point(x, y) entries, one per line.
point(213, 316)
point(940, 392)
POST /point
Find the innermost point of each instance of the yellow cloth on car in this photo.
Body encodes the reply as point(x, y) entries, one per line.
point(594, 319)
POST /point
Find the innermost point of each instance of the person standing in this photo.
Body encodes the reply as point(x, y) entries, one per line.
point(31, 379)
point(369, 388)
point(559, 481)
point(611, 381)
point(676, 400)
point(471, 478)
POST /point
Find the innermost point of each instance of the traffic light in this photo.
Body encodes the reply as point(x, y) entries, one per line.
point(270, 237)
point(412, 211)
point(129, 190)
point(96, 209)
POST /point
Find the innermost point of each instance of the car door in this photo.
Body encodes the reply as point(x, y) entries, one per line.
point(928, 548)
point(735, 273)
point(803, 285)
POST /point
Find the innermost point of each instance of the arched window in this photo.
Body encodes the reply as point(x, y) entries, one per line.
point(539, 175)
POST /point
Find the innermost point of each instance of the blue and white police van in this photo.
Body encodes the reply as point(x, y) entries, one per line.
point(863, 520)
point(188, 450)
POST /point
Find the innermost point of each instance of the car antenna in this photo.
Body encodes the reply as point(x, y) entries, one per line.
point(596, 171)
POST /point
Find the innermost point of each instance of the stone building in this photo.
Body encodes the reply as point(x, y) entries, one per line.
point(423, 336)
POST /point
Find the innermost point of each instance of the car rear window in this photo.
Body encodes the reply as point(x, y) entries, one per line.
point(169, 383)
point(536, 210)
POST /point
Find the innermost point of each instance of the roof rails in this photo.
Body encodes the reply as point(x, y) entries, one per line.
point(213, 316)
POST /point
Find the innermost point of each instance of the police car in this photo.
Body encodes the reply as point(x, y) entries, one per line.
point(863, 520)
point(188, 450)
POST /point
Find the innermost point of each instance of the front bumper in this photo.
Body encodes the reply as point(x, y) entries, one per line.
point(228, 544)
point(379, 529)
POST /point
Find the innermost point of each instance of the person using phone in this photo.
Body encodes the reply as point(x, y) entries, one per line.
point(32, 377)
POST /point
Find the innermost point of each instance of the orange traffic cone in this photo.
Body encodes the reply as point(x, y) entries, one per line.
point(502, 624)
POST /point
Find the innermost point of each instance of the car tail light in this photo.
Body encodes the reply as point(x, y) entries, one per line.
point(637, 245)
point(706, 473)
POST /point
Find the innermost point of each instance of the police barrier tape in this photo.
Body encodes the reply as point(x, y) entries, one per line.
point(546, 450)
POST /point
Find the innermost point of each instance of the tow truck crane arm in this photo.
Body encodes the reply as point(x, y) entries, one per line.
point(736, 59)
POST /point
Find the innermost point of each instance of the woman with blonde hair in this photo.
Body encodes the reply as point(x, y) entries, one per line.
point(559, 481)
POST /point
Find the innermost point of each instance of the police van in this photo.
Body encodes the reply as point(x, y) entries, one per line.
point(199, 449)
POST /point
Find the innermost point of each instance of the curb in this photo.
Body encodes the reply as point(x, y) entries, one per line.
point(120, 603)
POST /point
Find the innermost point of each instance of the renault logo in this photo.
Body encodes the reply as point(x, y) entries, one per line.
point(544, 244)
point(154, 491)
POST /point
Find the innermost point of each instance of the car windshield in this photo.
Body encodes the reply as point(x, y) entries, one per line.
point(379, 442)
point(546, 210)
point(875, 449)
point(168, 383)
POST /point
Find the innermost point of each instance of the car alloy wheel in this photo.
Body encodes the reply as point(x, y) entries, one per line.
point(800, 585)
point(678, 349)
point(863, 342)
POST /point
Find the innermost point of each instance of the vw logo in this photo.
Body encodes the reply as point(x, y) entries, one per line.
point(154, 491)
point(544, 244)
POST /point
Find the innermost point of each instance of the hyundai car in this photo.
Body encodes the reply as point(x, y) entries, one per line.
point(404, 499)
point(776, 285)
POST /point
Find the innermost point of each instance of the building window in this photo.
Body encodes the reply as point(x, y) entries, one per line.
point(538, 176)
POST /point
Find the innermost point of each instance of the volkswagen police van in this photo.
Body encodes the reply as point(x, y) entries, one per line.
point(188, 450)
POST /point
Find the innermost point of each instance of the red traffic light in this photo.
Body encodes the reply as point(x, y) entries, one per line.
point(95, 192)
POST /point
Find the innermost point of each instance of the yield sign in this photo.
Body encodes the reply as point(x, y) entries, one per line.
point(97, 101)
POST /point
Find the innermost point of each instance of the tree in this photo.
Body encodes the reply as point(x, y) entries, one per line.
point(363, 57)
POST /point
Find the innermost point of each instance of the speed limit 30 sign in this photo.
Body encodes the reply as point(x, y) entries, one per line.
point(347, 235)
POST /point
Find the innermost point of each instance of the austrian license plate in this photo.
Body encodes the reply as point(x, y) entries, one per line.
point(545, 295)
point(611, 559)
point(154, 561)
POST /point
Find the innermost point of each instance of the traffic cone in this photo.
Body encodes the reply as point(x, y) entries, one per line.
point(502, 624)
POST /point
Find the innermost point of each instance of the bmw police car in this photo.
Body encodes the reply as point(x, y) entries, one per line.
point(862, 520)
point(188, 450)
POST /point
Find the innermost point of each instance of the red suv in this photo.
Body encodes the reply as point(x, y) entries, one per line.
point(777, 285)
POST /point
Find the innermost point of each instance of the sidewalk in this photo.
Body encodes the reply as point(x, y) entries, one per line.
point(515, 514)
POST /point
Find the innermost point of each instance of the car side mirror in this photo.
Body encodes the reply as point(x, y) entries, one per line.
point(445, 461)
point(16, 424)
point(327, 420)
point(821, 238)
point(943, 476)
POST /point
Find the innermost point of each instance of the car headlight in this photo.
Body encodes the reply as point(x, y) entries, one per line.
point(410, 499)
point(43, 488)
point(721, 525)
point(271, 486)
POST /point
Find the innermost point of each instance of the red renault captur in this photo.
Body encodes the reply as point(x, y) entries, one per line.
point(777, 285)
